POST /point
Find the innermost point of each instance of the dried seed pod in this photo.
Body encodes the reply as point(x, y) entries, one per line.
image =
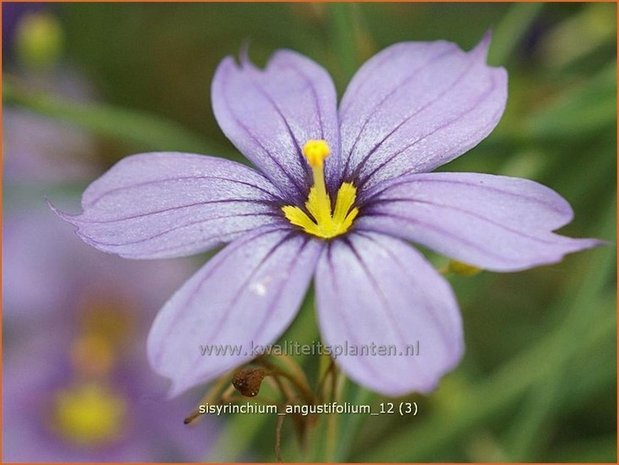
point(247, 381)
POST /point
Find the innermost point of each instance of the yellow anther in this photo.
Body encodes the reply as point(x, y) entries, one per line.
point(323, 222)
point(462, 269)
point(316, 151)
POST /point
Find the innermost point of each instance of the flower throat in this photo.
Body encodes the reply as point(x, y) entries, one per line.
point(324, 222)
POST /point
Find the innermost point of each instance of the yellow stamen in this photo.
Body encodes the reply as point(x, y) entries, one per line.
point(324, 223)
point(88, 414)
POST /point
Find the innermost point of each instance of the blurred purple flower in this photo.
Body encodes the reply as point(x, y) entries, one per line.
point(39, 150)
point(76, 386)
point(410, 109)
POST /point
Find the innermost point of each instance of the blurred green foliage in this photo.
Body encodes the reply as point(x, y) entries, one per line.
point(538, 381)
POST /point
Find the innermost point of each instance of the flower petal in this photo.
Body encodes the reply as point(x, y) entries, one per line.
point(375, 290)
point(415, 106)
point(245, 296)
point(269, 115)
point(173, 204)
point(493, 222)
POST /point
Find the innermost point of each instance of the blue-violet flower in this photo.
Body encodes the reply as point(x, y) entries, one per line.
point(337, 194)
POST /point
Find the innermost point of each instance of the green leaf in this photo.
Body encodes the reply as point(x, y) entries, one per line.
point(589, 108)
point(138, 129)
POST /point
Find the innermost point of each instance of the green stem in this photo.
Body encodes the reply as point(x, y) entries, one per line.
point(333, 420)
point(350, 424)
point(239, 432)
point(344, 27)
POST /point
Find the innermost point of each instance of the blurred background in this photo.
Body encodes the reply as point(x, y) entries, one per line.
point(86, 84)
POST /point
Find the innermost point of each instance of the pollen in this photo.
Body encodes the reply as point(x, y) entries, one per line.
point(321, 220)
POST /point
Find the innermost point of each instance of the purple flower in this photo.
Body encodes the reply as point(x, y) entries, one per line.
point(337, 194)
point(76, 386)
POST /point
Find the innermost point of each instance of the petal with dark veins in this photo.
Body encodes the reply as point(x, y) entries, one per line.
point(244, 297)
point(415, 106)
point(497, 223)
point(373, 290)
point(160, 205)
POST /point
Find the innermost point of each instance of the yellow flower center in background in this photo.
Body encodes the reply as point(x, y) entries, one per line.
point(88, 414)
point(92, 354)
point(324, 222)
